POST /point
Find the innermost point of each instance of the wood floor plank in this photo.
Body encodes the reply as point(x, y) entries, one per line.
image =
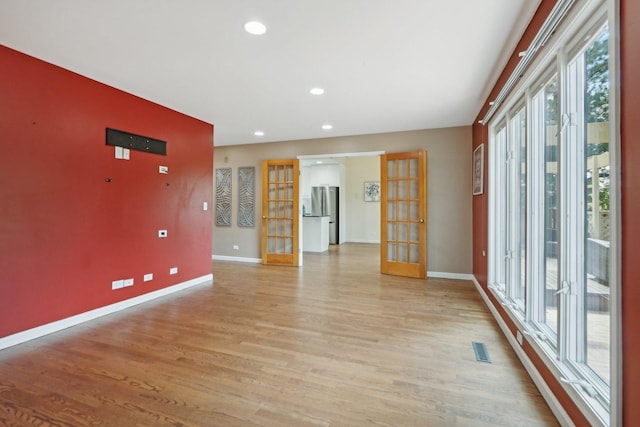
point(332, 343)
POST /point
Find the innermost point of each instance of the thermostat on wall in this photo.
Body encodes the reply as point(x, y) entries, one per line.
point(163, 169)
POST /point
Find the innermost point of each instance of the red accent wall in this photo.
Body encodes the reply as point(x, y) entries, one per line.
point(66, 233)
point(630, 159)
point(630, 149)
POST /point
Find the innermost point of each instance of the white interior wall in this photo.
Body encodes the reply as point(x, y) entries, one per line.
point(363, 218)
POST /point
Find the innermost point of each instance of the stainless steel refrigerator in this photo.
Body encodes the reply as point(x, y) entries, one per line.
point(325, 202)
point(319, 201)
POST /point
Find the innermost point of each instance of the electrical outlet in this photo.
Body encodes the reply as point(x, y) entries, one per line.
point(162, 233)
point(117, 284)
point(236, 247)
point(163, 169)
point(205, 206)
point(148, 277)
point(128, 282)
point(173, 270)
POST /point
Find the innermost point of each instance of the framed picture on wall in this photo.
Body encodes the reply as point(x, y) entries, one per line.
point(372, 191)
point(478, 170)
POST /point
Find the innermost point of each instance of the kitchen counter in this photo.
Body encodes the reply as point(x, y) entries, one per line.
point(315, 232)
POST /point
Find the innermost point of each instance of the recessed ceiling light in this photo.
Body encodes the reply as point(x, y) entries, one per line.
point(327, 127)
point(316, 91)
point(318, 162)
point(256, 28)
point(258, 133)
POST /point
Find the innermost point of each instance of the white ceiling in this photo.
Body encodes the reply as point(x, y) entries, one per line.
point(386, 65)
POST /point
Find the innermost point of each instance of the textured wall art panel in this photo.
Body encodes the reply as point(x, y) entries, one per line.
point(223, 197)
point(247, 196)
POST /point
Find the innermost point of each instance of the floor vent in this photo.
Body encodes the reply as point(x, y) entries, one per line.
point(482, 355)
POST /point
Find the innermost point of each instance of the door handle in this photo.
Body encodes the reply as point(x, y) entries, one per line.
point(264, 217)
point(421, 220)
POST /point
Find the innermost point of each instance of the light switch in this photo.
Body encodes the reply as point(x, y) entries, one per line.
point(163, 169)
point(122, 153)
point(205, 206)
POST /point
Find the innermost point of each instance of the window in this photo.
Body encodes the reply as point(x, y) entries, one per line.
point(548, 98)
point(518, 128)
point(597, 237)
point(499, 208)
point(511, 202)
point(549, 187)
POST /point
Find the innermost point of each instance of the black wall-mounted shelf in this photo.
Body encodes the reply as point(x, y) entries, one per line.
point(118, 138)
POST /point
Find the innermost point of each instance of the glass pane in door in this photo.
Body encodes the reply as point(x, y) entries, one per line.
point(402, 252)
point(402, 232)
point(414, 251)
point(391, 252)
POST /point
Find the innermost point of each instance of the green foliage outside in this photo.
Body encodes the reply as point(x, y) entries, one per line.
point(597, 101)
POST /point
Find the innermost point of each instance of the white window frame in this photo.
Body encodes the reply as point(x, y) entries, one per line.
point(537, 230)
point(513, 200)
point(574, 135)
point(497, 247)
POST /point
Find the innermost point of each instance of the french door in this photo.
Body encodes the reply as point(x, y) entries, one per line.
point(280, 219)
point(403, 219)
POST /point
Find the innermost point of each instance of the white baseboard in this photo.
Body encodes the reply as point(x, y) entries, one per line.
point(236, 259)
point(59, 325)
point(456, 276)
point(547, 394)
point(377, 242)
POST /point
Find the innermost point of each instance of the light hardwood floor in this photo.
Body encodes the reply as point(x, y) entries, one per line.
point(333, 343)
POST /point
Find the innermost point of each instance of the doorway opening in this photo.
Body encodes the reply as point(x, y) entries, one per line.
point(338, 181)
